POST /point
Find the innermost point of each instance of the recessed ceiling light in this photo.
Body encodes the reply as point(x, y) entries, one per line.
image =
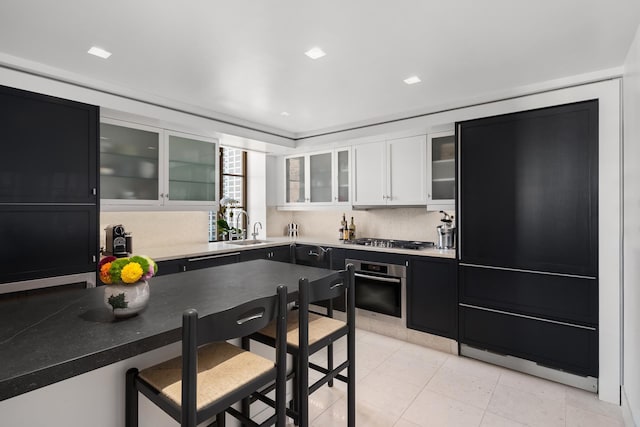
point(315, 53)
point(284, 113)
point(99, 52)
point(412, 80)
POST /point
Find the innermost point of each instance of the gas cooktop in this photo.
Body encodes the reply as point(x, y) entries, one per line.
point(390, 243)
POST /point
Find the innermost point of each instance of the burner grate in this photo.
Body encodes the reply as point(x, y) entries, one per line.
point(391, 243)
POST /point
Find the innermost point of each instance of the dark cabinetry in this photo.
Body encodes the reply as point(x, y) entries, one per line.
point(278, 253)
point(528, 235)
point(432, 296)
point(528, 184)
point(48, 186)
point(206, 261)
point(171, 266)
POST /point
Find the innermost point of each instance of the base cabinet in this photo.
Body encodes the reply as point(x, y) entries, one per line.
point(171, 266)
point(206, 261)
point(432, 299)
point(551, 344)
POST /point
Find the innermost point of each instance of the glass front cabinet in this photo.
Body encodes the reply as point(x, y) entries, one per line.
point(441, 175)
point(146, 166)
point(317, 178)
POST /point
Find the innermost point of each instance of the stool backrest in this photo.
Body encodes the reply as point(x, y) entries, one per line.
point(236, 322)
point(328, 287)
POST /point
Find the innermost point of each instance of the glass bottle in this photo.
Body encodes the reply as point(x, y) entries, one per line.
point(352, 230)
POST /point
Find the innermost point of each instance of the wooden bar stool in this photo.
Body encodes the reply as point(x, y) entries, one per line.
point(212, 374)
point(309, 332)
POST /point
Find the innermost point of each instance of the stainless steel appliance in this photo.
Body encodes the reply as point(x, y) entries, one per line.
point(446, 232)
point(390, 243)
point(380, 288)
point(117, 242)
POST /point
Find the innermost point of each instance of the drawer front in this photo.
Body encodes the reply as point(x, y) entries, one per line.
point(569, 348)
point(563, 298)
point(212, 260)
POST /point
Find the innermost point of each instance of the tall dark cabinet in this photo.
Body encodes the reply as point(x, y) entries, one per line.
point(528, 236)
point(48, 186)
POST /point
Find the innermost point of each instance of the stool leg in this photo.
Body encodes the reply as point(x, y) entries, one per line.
point(330, 362)
point(221, 420)
point(295, 391)
point(351, 380)
point(131, 399)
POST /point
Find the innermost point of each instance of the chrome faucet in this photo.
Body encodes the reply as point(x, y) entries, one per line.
point(255, 232)
point(244, 230)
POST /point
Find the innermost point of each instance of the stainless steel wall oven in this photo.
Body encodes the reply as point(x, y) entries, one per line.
point(380, 287)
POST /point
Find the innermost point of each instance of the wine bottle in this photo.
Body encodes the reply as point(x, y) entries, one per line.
point(344, 229)
point(352, 230)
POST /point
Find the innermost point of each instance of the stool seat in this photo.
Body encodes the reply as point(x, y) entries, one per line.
point(319, 327)
point(222, 368)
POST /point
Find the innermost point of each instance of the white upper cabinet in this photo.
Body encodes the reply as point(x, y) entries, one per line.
point(192, 177)
point(317, 178)
point(441, 171)
point(142, 166)
point(391, 173)
point(370, 174)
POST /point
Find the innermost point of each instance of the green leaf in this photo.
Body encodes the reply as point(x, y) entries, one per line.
point(118, 301)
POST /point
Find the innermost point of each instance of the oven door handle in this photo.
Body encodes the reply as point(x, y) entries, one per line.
point(378, 278)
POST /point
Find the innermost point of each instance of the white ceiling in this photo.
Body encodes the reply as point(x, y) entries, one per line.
point(243, 60)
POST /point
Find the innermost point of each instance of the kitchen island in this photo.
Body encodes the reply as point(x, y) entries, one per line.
point(47, 339)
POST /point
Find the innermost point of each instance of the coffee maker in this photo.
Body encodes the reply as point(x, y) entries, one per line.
point(117, 242)
point(446, 232)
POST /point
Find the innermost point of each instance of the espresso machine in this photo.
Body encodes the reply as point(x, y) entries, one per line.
point(117, 242)
point(446, 232)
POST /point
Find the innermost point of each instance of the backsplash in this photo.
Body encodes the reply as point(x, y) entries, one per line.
point(396, 223)
point(153, 229)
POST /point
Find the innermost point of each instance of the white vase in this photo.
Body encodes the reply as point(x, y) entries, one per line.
point(127, 299)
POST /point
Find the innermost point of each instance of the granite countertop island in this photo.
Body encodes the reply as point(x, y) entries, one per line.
point(49, 338)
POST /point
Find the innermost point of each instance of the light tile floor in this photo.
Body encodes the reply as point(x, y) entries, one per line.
point(400, 384)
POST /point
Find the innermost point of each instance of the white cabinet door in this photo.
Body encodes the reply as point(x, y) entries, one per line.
point(295, 177)
point(407, 160)
point(131, 158)
point(192, 170)
point(342, 176)
point(441, 171)
point(321, 177)
point(317, 179)
point(370, 174)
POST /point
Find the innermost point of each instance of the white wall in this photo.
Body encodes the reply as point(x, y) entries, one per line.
point(257, 193)
point(631, 356)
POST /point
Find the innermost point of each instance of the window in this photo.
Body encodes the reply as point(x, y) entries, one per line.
point(233, 185)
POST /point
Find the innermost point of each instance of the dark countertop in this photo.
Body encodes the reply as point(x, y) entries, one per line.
point(48, 338)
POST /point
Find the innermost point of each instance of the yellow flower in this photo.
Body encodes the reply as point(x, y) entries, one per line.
point(131, 272)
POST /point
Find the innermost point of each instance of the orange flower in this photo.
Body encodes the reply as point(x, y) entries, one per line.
point(105, 277)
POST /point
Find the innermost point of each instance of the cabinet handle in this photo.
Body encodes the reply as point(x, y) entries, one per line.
point(213, 256)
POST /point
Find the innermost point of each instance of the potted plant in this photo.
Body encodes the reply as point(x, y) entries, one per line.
point(126, 279)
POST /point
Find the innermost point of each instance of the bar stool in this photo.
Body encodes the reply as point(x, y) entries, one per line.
point(309, 332)
point(212, 374)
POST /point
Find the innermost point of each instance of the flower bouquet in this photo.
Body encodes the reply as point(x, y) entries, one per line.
point(127, 290)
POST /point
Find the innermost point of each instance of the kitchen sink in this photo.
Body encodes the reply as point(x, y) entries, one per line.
point(246, 242)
